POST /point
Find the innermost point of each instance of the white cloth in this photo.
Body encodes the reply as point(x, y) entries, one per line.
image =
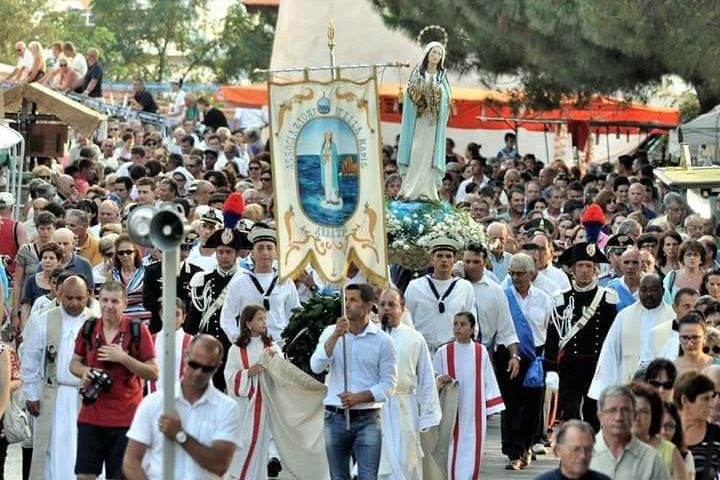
point(180, 342)
point(537, 307)
point(493, 313)
point(479, 397)
point(41, 305)
point(609, 370)
point(372, 365)
point(207, 262)
point(80, 64)
point(557, 276)
point(62, 444)
point(241, 292)
point(461, 194)
point(213, 417)
point(26, 61)
point(436, 327)
point(250, 459)
point(401, 453)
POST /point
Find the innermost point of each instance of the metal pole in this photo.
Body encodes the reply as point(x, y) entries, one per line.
point(169, 275)
point(345, 356)
point(332, 67)
point(331, 47)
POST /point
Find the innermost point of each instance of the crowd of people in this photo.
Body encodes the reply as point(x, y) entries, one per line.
point(588, 320)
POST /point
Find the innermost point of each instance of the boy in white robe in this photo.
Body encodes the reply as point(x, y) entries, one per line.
point(467, 362)
point(182, 340)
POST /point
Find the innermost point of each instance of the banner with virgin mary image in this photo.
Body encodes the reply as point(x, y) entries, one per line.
point(327, 170)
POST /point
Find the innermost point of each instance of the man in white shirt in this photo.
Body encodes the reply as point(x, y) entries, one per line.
point(478, 177)
point(204, 430)
point(433, 300)
point(75, 58)
point(542, 240)
point(371, 380)
point(24, 64)
point(415, 407)
point(640, 333)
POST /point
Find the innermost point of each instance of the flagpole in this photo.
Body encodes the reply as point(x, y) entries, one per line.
point(333, 75)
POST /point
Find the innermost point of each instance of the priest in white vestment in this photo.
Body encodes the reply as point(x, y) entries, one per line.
point(468, 363)
point(415, 406)
point(641, 333)
point(56, 453)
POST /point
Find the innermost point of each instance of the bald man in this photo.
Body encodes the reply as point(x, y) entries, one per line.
point(75, 263)
point(51, 390)
point(640, 333)
point(627, 285)
point(497, 234)
point(66, 189)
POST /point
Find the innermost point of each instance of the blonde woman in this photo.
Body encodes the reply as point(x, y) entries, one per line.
point(38, 69)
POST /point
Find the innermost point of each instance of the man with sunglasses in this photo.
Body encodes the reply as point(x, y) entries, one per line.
point(261, 286)
point(614, 249)
point(210, 290)
point(124, 351)
point(24, 64)
point(206, 425)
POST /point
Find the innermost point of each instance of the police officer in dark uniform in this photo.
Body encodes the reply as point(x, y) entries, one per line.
point(614, 248)
point(580, 322)
point(153, 283)
point(208, 292)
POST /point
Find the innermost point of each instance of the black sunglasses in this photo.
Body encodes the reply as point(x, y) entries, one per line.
point(205, 368)
point(125, 252)
point(658, 384)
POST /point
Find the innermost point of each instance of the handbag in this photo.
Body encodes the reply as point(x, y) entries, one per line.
point(16, 421)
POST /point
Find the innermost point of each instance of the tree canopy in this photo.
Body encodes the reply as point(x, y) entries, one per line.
point(575, 47)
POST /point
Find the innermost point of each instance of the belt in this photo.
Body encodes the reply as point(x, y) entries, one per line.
point(353, 412)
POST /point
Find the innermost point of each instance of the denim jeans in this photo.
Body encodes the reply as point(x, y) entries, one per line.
point(364, 440)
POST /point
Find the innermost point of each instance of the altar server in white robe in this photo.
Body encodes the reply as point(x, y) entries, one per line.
point(433, 300)
point(243, 384)
point(467, 362)
point(182, 341)
point(641, 333)
point(51, 390)
point(415, 406)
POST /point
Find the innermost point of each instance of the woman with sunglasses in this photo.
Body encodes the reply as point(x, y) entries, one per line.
point(648, 424)
point(692, 331)
point(661, 374)
point(129, 270)
point(68, 76)
point(693, 394)
point(242, 377)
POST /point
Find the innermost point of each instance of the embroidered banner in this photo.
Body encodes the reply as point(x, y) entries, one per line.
point(329, 198)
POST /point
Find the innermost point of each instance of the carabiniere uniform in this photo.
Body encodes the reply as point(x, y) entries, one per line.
point(208, 292)
point(580, 323)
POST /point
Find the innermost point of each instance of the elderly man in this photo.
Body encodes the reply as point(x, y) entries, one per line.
point(66, 189)
point(641, 332)
point(617, 452)
point(574, 446)
point(530, 309)
point(673, 206)
point(497, 233)
point(109, 212)
point(24, 64)
point(626, 287)
point(73, 262)
point(415, 405)
point(51, 390)
point(636, 196)
point(78, 222)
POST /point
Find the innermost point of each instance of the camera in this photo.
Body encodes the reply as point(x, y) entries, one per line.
point(100, 382)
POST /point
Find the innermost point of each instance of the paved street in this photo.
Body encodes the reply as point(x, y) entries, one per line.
point(493, 460)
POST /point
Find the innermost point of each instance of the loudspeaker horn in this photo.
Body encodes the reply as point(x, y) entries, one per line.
point(167, 230)
point(138, 224)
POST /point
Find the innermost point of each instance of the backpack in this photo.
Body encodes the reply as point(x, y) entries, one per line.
point(134, 346)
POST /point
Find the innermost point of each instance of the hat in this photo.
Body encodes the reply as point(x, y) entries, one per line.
point(444, 243)
point(262, 234)
point(622, 240)
point(190, 238)
point(176, 79)
point(212, 216)
point(245, 242)
point(539, 225)
point(225, 237)
point(6, 199)
point(582, 251)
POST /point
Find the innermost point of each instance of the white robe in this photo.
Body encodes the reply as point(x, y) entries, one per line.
point(479, 397)
point(62, 444)
point(401, 452)
point(182, 340)
point(609, 370)
point(250, 459)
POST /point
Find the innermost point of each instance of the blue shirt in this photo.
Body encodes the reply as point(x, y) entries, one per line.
point(500, 265)
point(371, 365)
point(557, 475)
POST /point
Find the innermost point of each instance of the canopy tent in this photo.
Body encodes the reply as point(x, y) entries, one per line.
point(9, 137)
point(481, 109)
point(48, 101)
point(703, 130)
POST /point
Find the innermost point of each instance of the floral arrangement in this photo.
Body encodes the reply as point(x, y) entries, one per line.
point(411, 226)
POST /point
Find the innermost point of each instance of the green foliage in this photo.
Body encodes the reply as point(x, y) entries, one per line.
point(576, 47)
point(20, 21)
point(305, 326)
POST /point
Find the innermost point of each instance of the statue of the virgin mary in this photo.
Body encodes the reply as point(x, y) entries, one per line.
point(426, 108)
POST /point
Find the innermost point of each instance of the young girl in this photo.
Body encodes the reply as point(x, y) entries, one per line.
point(467, 362)
point(242, 376)
point(182, 340)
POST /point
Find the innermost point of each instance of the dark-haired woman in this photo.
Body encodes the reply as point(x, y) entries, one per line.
point(692, 332)
point(243, 382)
point(693, 394)
point(466, 361)
point(672, 432)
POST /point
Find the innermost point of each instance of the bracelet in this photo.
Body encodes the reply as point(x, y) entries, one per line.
point(516, 357)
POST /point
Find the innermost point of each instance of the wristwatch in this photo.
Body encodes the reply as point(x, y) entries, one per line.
point(181, 437)
point(516, 357)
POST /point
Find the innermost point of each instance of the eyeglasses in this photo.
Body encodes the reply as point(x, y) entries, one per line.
point(45, 177)
point(199, 366)
point(125, 252)
point(658, 384)
point(690, 338)
point(186, 246)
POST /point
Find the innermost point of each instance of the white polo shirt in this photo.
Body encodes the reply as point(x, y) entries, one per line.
point(214, 416)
